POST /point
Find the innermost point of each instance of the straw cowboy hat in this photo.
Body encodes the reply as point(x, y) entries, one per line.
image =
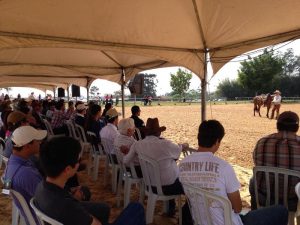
point(152, 126)
point(277, 92)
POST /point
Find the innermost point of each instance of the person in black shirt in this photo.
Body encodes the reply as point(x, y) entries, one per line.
point(139, 123)
point(59, 159)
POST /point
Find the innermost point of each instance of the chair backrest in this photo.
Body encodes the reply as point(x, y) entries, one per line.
point(119, 155)
point(72, 129)
point(151, 173)
point(108, 145)
point(48, 127)
point(1, 151)
point(203, 203)
point(25, 207)
point(92, 139)
point(137, 134)
point(81, 133)
point(43, 217)
point(188, 151)
point(276, 183)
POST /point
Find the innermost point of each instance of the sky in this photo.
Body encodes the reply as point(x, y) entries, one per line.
point(230, 70)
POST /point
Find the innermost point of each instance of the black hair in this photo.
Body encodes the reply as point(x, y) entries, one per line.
point(107, 107)
point(111, 119)
point(59, 104)
point(70, 103)
point(287, 125)
point(58, 153)
point(135, 109)
point(210, 131)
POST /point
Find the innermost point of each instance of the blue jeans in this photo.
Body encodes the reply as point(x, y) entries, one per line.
point(267, 216)
point(133, 214)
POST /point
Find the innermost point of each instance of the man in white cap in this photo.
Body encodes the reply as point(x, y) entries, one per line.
point(110, 131)
point(276, 104)
point(21, 175)
point(80, 114)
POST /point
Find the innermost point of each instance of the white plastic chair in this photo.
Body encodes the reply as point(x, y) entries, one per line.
point(82, 138)
point(200, 201)
point(137, 134)
point(279, 175)
point(17, 218)
point(42, 217)
point(71, 130)
point(2, 145)
point(151, 178)
point(297, 190)
point(188, 151)
point(115, 168)
point(50, 133)
point(97, 153)
point(129, 178)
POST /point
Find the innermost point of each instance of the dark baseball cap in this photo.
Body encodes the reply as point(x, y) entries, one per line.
point(288, 117)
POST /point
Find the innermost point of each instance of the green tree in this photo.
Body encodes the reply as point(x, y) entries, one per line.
point(261, 74)
point(180, 82)
point(150, 84)
point(230, 89)
point(94, 90)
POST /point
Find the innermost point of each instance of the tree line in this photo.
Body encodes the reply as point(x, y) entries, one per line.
point(264, 74)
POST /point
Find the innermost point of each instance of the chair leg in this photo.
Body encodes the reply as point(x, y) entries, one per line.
point(15, 214)
point(151, 202)
point(106, 170)
point(127, 188)
point(291, 218)
point(95, 167)
point(165, 206)
point(180, 210)
point(119, 187)
point(142, 192)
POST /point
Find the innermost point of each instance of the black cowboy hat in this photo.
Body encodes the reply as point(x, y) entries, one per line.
point(152, 126)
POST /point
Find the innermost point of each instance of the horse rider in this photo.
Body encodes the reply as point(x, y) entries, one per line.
point(276, 104)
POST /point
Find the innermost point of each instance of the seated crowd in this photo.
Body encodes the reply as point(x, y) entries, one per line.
point(46, 169)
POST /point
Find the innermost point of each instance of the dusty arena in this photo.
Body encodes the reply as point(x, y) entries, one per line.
point(242, 131)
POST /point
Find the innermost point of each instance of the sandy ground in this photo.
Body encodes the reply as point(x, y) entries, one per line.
point(242, 131)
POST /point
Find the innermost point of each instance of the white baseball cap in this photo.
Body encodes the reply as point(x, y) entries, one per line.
point(81, 107)
point(25, 134)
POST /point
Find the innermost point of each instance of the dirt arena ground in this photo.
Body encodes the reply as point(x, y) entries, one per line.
point(242, 131)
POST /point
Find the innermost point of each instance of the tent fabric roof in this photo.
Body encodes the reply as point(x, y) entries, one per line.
point(98, 39)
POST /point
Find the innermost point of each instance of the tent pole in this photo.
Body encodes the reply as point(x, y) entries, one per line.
point(122, 92)
point(87, 93)
point(54, 89)
point(68, 92)
point(203, 88)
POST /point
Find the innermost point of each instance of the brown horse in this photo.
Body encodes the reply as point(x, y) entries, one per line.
point(260, 100)
point(268, 103)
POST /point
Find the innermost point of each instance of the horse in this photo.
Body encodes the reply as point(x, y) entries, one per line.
point(258, 101)
point(268, 103)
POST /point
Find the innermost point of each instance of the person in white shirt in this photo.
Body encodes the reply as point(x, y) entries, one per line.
point(276, 104)
point(165, 153)
point(110, 131)
point(124, 141)
point(205, 170)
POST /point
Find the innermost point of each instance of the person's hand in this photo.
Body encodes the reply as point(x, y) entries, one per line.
point(185, 146)
point(124, 149)
point(77, 193)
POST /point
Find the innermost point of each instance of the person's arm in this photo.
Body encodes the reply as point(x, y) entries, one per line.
point(96, 222)
point(236, 201)
point(127, 159)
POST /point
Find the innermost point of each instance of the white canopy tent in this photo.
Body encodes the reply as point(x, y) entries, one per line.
point(107, 39)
